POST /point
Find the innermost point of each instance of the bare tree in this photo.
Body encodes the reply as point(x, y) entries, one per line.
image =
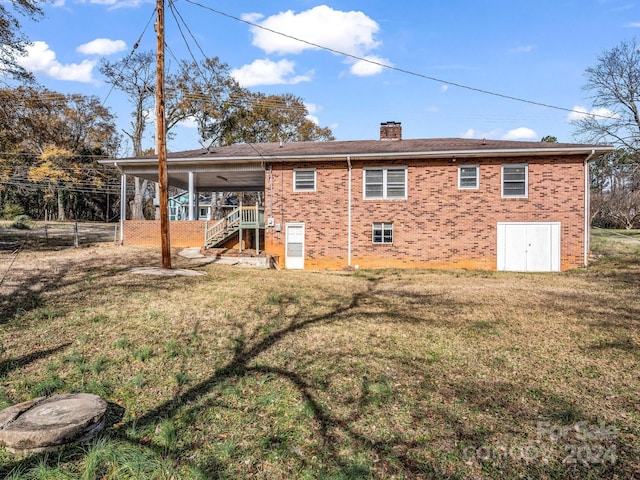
point(135, 76)
point(614, 85)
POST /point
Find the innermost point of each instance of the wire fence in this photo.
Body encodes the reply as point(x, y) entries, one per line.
point(56, 235)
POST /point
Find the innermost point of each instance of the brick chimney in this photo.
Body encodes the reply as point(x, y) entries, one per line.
point(390, 131)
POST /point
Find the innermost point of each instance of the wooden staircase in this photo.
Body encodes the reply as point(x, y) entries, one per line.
point(240, 218)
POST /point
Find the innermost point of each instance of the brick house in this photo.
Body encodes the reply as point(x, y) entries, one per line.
point(428, 203)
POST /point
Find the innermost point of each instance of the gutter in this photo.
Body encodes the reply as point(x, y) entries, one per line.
point(370, 156)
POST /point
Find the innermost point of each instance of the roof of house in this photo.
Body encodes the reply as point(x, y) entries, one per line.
point(431, 147)
point(245, 162)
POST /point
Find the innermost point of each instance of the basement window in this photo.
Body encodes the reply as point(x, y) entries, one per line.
point(468, 177)
point(514, 180)
point(304, 180)
point(385, 183)
point(382, 232)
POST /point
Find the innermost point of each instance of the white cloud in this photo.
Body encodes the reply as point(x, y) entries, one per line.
point(114, 4)
point(633, 25)
point(189, 122)
point(444, 88)
point(522, 133)
point(473, 133)
point(369, 66)
point(580, 113)
point(102, 46)
point(312, 108)
point(350, 32)
point(267, 72)
point(41, 59)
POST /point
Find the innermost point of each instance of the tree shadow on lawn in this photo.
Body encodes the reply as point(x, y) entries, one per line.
point(11, 364)
point(396, 454)
point(248, 348)
point(25, 290)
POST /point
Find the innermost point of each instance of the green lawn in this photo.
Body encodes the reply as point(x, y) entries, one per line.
point(247, 373)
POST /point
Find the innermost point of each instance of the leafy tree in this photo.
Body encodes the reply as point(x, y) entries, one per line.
point(12, 42)
point(550, 139)
point(273, 118)
point(226, 113)
point(50, 143)
point(136, 77)
point(205, 93)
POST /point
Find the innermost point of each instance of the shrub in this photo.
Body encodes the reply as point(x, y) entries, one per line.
point(23, 222)
point(11, 210)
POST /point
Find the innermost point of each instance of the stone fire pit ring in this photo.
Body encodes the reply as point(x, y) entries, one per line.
point(50, 423)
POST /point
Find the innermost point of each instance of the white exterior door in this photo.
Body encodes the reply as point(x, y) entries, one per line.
point(529, 246)
point(294, 250)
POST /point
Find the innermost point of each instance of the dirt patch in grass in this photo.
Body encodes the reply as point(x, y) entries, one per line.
point(281, 374)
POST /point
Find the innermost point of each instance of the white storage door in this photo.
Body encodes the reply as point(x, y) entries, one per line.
point(529, 247)
point(294, 254)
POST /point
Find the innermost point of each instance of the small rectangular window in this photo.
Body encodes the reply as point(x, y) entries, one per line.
point(304, 180)
point(514, 180)
point(385, 183)
point(468, 176)
point(382, 233)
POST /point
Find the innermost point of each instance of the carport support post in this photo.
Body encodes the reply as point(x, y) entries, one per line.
point(191, 196)
point(257, 229)
point(123, 205)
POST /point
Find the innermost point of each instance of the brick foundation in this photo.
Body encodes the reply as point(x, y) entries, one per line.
point(182, 233)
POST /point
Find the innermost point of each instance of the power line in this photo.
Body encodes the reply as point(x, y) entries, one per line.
point(126, 61)
point(393, 68)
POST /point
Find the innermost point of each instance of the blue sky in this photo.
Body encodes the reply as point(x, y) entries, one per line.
point(536, 51)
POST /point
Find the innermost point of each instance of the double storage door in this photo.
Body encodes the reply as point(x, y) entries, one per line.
point(529, 246)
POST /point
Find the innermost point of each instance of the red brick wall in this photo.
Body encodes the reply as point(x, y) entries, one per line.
point(182, 233)
point(438, 225)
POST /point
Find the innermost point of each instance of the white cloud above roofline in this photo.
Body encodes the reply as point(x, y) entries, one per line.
point(580, 113)
point(352, 33)
point(268, 72)
point(111, 4)
point(102, 46)
point(520, 133)
point(41, 59)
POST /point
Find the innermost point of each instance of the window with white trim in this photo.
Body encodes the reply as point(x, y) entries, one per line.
point(382, 233)
point(514, 180)
point(304, 180)
point(468, 176)
point(385, 183)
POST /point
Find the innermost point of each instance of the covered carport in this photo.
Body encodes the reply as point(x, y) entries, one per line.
point(194, 171)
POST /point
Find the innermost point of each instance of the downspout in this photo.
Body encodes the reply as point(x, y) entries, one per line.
point(123, 205)
point(587, 208)
point(270, 191)
point(349, 213)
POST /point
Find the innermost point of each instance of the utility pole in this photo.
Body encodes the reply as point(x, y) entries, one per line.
point(161, 138)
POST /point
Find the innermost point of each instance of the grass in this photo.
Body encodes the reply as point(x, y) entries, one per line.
point(380, 374)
